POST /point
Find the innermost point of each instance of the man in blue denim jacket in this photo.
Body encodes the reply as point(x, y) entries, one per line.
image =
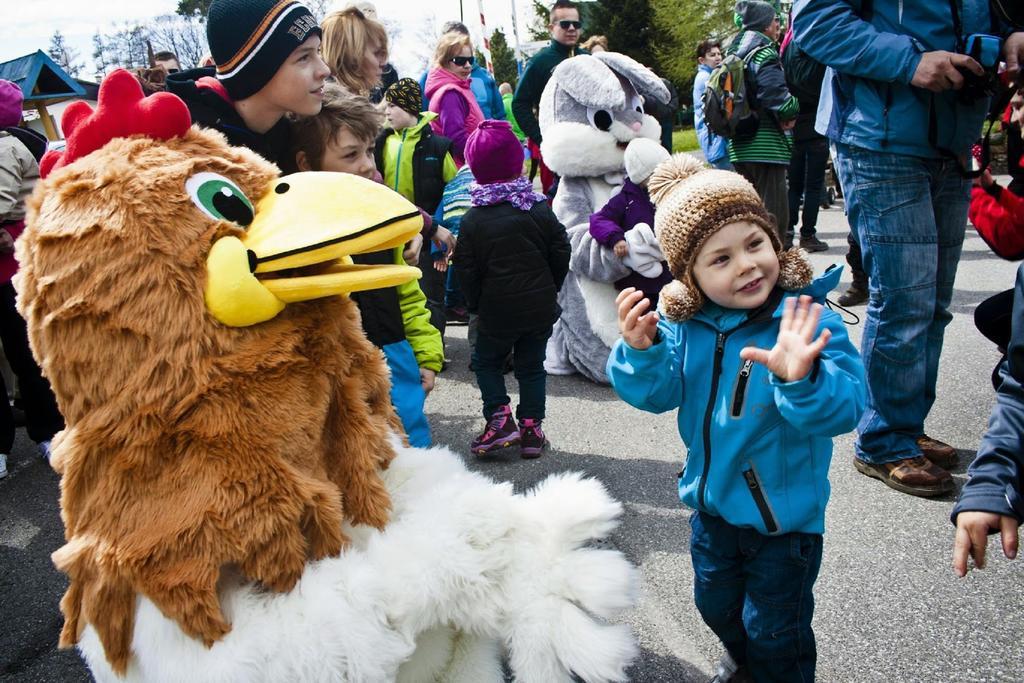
point(903, 134)
point(757, 424)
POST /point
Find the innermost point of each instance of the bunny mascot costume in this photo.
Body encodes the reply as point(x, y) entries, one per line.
point(592, 107)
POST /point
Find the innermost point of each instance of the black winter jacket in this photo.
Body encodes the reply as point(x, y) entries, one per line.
point(511, 264)
point(995, 480)
point(427, 165)
point(206, 101)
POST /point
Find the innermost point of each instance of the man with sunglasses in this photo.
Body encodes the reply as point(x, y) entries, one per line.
point(565, 30)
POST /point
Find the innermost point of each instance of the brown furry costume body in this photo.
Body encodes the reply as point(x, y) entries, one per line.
point(190, 446)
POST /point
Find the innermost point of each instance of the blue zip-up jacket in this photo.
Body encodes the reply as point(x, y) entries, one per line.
point(758, 448)
point(875, 58)
point(995, 480)
point(715, 147)
point(485, 91)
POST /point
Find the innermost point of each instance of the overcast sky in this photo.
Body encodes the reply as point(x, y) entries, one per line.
point(28, 24)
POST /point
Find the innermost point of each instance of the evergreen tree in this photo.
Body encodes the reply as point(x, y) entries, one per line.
point(504, 60)
point(188, 8)
point(64, 55)
point(628, 25)
point(681, 25)
point(541, 18)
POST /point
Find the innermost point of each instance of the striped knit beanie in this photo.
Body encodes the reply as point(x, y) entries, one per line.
point(251, 39)
point(693, 202)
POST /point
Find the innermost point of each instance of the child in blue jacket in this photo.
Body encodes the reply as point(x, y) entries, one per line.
point(762, 379)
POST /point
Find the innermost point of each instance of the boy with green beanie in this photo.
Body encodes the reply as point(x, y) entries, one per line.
point(267, 56)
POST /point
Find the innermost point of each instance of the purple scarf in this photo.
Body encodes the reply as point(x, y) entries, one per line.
point(519, 193)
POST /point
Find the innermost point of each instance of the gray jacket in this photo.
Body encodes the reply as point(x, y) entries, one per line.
point(18, 175)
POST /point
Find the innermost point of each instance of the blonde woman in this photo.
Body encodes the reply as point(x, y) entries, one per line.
point(449, 93)
point(356, 50)
point(595, 44)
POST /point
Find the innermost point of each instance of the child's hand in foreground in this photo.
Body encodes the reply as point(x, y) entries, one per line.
point(621, 248)
point(427, 379)
point(972, 529)
point(795, 349)
point(638, 327)
point(411, 253)
point(444, 236)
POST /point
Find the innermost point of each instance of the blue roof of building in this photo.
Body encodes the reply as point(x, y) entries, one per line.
point(40, 78)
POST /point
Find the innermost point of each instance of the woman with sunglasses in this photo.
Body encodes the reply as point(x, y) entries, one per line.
point(449, 93)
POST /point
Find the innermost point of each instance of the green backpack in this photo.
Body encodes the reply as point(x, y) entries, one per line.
point(729, 99)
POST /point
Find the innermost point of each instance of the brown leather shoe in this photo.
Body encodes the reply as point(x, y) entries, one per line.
point(917, 476)
point(942, 454)
point(854, 296)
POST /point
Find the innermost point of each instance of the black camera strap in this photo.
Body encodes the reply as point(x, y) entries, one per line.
point(958, 27)
point(1008, 11)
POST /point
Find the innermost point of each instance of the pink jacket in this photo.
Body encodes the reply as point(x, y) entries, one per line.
point(458, 113)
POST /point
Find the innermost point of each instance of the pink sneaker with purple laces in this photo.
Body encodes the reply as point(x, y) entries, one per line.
point(501, 432)
point(531, 438)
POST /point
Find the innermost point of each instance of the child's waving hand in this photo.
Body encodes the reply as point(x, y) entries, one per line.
point(795, 349)
point(638, 327)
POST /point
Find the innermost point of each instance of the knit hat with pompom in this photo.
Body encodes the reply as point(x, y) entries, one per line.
point(693, 203)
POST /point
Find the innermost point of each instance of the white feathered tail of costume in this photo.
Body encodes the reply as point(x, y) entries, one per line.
point(465, 572)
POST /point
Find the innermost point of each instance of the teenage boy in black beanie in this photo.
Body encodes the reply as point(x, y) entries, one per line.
point(267, 56)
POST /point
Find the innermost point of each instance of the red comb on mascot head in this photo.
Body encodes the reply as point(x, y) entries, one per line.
point(228, 424)
point(122, 111)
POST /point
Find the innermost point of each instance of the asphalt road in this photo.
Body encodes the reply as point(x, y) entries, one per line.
point(888, 606)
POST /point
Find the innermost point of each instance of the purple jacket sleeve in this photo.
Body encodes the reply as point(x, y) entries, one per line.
point(452, 112)
point(606, 224)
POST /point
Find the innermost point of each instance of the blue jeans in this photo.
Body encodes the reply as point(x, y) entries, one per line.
point(489, 354)
point(756, 593)
point(910, 215)
point(407, 395)
point(722, 164)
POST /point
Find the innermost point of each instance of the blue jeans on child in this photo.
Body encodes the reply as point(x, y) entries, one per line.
point(910, 215)
point(407, 395)
point(489, 354)
point(756, 593)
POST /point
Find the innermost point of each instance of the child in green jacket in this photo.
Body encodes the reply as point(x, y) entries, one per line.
point(341, 138)
point(417, 164)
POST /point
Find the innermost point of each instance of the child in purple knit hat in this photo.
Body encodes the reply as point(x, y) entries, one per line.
point(512, 257)
point(20, 149)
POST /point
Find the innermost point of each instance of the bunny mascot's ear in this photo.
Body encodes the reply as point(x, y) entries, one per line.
point(645, 81)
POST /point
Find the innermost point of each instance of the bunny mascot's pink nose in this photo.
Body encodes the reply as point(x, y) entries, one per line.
point(636, 125)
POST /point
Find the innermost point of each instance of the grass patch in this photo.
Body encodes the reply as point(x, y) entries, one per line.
point(684, 140)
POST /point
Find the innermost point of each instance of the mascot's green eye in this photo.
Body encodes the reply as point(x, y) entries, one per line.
point(219, 198)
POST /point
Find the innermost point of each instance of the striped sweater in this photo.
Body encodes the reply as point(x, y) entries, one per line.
point(769, 145)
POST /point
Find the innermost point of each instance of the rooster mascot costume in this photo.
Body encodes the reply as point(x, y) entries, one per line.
point(238, 501)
